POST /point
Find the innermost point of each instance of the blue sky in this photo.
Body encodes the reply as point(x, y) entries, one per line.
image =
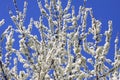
point(103, 10)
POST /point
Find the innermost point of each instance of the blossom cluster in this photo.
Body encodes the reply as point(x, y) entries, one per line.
point(58, 54)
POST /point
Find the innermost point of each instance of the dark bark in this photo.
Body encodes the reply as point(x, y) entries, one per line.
point(4, 75)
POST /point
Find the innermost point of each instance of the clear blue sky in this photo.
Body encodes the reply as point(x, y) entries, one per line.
point(103, 10)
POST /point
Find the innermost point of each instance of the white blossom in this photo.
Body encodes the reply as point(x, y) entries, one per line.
point(60, 47)
point(2, 22)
